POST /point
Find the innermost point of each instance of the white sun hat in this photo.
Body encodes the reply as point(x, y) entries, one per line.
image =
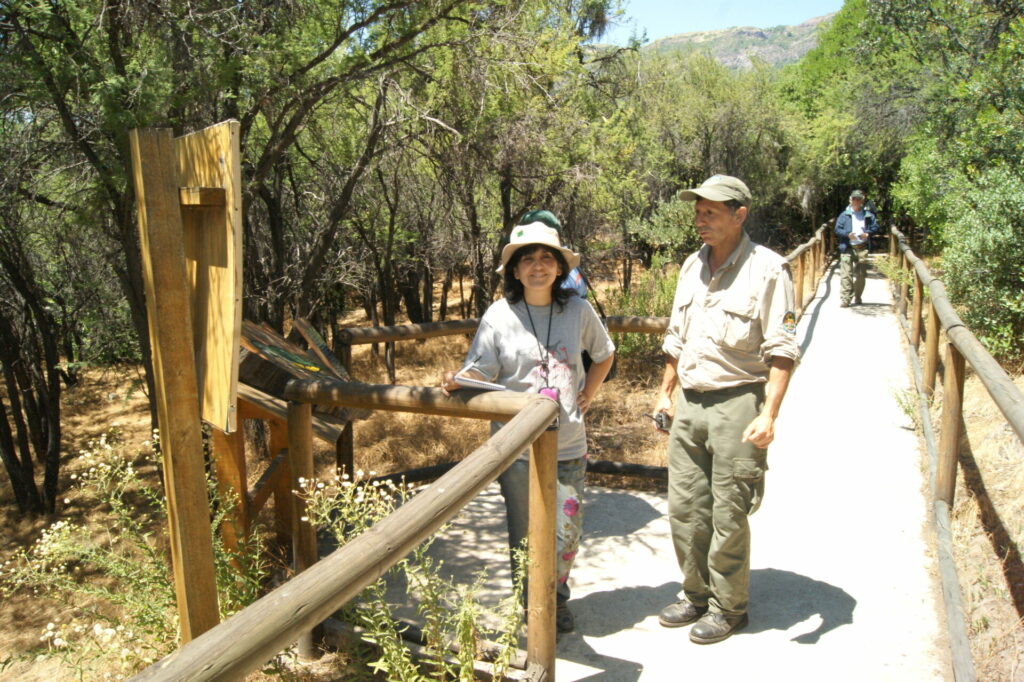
point(540, 234)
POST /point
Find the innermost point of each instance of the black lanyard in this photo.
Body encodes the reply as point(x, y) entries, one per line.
point(547, 340)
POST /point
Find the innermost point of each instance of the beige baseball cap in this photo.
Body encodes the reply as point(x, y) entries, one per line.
point(719, 188)
point(540, 234)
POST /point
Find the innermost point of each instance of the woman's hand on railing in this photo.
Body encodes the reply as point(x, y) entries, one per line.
point(448, 383)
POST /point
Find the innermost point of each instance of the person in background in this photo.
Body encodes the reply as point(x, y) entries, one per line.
point(854, 228)
point(731, 344)
point(532, 340)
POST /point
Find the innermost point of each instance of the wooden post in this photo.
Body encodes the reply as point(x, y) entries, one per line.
point(949, 436)
point(345, 447)
point(798, 285)
point(283, 496)
point(915, 328)
point(931, 349)
point(177, 394)
point(542, 564)
point(229, 460)
point(300, 456)
point(904, 287)
point(389, 360)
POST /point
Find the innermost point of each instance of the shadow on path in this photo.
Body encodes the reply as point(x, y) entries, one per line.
point(782, 599)
point(619, 609)
point(818, 302)
point(621, 513)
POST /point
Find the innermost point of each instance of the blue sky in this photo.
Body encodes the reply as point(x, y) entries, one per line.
point(668, 17)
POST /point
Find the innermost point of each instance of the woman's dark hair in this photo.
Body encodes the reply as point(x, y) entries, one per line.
point(514, 288)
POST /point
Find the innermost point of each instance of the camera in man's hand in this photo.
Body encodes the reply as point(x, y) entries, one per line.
point(662, 420)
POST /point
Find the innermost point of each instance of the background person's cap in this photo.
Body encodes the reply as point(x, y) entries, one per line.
point(719, 188)
point(541, 216)
point(857, 194)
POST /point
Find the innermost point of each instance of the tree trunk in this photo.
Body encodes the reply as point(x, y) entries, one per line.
point(27, 478)
point(446, 285)
point(12, 464)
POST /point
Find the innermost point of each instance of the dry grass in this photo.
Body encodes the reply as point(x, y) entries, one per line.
point(988, 532)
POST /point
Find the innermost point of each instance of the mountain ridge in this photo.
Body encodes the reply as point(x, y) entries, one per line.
point(738, 46)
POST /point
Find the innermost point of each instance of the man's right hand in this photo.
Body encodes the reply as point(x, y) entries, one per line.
point(663, 404)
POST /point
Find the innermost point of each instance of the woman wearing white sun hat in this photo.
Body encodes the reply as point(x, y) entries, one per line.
point(531, 340)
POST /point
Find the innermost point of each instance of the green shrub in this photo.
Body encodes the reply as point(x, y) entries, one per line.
point(984, 260)
point(650, 295)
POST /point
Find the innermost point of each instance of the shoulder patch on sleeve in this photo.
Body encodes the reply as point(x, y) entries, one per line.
point(789, 322)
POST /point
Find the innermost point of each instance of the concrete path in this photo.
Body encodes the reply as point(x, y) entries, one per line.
point(842, 583)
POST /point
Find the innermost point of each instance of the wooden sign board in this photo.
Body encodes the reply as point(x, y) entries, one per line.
point(271, 361)
point(209, 175)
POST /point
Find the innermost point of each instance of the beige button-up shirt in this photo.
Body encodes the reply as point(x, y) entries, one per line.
point(725, 328)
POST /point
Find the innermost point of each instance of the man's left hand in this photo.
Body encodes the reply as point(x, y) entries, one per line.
point(760, 432)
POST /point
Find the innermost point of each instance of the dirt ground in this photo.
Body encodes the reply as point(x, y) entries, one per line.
point(988, 533)
point(988, 517)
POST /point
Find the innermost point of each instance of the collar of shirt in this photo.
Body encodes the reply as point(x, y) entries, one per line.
point(742, 249)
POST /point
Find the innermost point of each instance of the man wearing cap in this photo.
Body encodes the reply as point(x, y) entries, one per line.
point(854, 228)
point(731, 346)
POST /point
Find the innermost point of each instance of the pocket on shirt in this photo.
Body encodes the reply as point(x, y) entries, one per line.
point(684, 313)
point(742, 326)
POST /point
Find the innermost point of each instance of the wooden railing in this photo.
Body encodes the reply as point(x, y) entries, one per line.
point(962, 349)
point(248, 639)
point(245, 641)
point(807, 263)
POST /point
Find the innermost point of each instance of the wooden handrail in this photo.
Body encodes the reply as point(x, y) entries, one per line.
point(1000, 387)
point(355, 336)
point(963, 348)
point(252, 636)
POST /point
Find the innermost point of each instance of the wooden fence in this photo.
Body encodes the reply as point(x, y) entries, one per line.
point(962, 349)
point(248, 639)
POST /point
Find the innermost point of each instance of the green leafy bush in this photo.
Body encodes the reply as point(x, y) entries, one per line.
point(651, 295)
point(984, 260)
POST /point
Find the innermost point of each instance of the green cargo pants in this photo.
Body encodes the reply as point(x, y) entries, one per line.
point(853, 268)
point(714, 482)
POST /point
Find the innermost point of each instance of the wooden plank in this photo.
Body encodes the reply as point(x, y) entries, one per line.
point(283, 489)
point(255, 404)
point(318, 346)
point(232, 483)
point(268, 482)
point(208, 163)
point(202, 196)
point(270, 362)
point(176, 390)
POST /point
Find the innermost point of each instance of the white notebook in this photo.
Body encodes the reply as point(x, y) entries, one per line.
point(477, 383)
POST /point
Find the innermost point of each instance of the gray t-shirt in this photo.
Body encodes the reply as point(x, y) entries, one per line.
point(508, 352)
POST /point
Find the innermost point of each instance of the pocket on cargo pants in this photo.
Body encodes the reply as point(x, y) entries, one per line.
point(749, 476)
